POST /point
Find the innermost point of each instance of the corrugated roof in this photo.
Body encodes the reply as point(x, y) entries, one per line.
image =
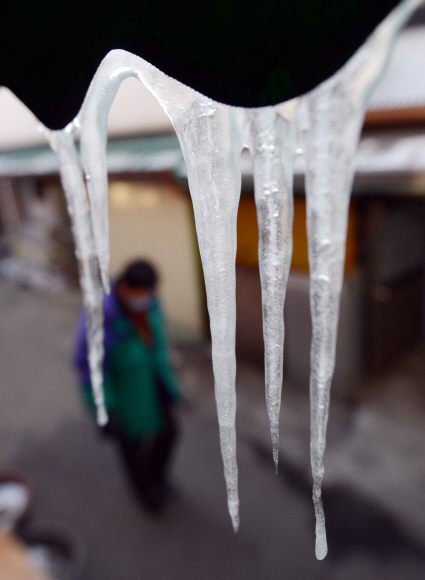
point(403, 83)
point(385, 154)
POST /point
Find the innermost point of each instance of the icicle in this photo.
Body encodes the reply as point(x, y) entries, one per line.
point(209, 136)
point(271, 141)
point(328, 185)
point(331, 117)
point(93, 119)
point(72, 182)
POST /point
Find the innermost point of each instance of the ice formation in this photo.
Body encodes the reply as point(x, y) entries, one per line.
point(326, 125)
point(62, 142)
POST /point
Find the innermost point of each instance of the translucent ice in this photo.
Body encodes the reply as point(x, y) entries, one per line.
point(330, 120)
point(73, 185)
point(211, 144)
point(271, 139)
point(326, 123)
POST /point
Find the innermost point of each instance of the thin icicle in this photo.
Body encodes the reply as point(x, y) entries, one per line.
point(209, 136)
point(93, 120)
point(72, 182)
point(332, 117)
point(272, 145)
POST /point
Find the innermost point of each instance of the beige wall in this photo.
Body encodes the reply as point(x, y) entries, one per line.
point(153, 220)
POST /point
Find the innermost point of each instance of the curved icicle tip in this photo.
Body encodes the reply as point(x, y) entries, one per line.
point(101, 415)
point(234, 514)
point(275, 448)
point(321, 548)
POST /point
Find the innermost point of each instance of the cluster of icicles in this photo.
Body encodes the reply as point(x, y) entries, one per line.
point(325, 125)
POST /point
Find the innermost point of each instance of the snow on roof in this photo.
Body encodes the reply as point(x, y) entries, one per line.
point(403, 83)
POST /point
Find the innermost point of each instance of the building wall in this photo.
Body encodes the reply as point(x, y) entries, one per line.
point(152, 219)
point(249, 335)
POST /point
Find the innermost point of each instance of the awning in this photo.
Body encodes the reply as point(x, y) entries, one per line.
point(144, 154)
point(388, 160)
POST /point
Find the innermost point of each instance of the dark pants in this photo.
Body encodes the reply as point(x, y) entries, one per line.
point(147, 458)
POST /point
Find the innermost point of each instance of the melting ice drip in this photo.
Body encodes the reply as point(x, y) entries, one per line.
point(326, 125)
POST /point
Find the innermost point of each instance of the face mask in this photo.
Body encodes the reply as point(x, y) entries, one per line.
point(141, 303)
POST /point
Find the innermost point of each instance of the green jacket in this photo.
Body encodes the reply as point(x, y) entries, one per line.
point(132, 370)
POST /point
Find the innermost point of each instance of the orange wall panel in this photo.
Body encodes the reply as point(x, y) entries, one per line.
point(247, 253)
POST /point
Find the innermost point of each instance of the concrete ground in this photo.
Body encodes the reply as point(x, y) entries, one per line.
point(374, 478)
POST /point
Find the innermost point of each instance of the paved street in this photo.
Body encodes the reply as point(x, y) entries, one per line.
point(374, 478)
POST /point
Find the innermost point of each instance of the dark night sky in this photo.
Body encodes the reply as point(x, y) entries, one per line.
point(242, 52)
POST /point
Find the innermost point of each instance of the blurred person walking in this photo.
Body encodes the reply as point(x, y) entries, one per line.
point(140, 386)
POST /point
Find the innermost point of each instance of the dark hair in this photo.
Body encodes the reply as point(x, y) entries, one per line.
point(140, 274)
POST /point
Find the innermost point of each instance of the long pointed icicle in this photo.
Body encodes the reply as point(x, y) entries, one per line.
point(327, 189)
point(333, 116)
point(73, 185)
point(271, 140)
point(208, 136)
